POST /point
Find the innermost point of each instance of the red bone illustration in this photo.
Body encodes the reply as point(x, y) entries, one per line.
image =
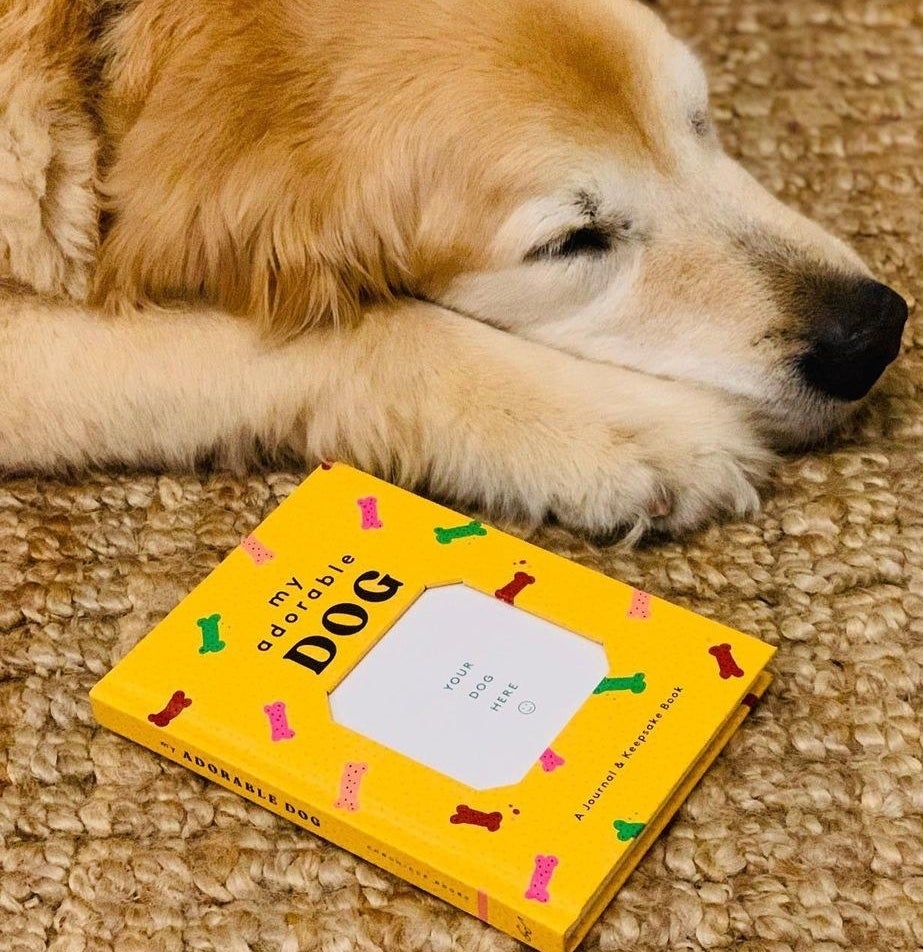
point(490, 821)
point(727, 666)
point(177, 703)
point(512, 588)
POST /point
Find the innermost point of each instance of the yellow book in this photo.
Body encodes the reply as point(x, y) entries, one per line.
point(501, 727)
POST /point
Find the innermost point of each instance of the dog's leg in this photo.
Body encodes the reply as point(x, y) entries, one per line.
point(48, 206)
point(417, 394)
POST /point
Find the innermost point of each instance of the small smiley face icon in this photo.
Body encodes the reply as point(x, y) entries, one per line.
point(526, 707)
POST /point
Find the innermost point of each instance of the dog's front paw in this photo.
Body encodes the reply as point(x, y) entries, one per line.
point(693, 460)
point(711, 470)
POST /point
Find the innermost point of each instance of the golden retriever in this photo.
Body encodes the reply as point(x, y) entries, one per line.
point(492, 247)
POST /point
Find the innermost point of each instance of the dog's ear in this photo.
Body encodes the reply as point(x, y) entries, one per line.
point(288, 278)
point(286, 299)
point(261, 253)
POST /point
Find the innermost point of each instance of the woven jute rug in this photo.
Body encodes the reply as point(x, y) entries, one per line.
point(807, 833)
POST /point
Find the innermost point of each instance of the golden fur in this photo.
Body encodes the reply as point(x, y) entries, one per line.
point(301, 202)
point(248, 170)
point(368, 164)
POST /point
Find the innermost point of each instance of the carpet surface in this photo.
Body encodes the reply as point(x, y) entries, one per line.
point(807, 834)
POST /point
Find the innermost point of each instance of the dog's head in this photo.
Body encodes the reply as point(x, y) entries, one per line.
point(613, 225)
point(546, 166)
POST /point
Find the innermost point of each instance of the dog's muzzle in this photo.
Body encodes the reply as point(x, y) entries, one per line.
point(856, 334)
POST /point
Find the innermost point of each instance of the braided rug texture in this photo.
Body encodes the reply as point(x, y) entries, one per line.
point(807, 833)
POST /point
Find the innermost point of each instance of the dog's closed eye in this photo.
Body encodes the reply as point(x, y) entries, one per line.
point(586, 240)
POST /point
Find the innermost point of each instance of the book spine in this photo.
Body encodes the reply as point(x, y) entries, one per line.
point(323, 822)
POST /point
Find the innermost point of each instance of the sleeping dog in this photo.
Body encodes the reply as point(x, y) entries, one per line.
point(490, 248)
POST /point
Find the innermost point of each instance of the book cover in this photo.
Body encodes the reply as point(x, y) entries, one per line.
point(499, 726)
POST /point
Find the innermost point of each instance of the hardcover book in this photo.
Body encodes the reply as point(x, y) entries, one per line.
point(506, 729)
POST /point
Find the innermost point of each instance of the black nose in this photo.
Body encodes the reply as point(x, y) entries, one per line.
point(855, 334)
